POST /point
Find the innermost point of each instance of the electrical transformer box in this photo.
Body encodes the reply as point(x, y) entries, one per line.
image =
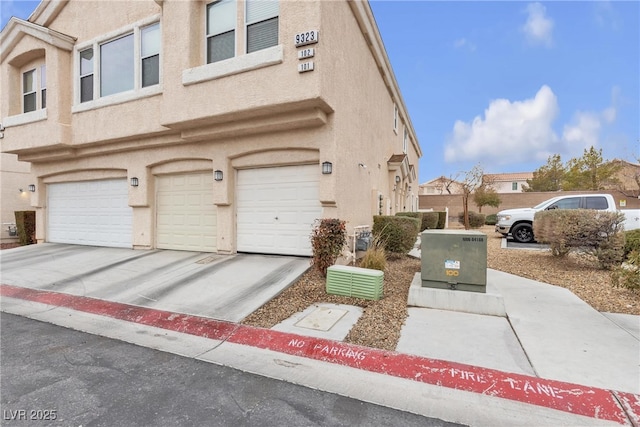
point(454, 259)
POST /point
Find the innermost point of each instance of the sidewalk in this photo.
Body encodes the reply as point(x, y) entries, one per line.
point(532, 367)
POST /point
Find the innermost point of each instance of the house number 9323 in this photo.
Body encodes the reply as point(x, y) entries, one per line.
point(307, 37)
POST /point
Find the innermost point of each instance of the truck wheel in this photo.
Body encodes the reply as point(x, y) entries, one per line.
point(522, 233)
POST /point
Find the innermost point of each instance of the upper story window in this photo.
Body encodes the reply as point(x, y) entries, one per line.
point(126, 63)
point(34, 89)
point(514, 186)
point(262, 24)
point(405, 140)
point(221, 30)
point(395, 118)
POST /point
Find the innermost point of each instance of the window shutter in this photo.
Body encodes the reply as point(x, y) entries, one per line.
point(221, 17)
point(262, 35)
point(260, 10)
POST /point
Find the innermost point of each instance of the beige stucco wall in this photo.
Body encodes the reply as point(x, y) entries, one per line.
point(198, 118)
point(14, 176)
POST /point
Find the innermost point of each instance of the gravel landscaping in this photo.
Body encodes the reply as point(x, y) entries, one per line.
point(380, 324)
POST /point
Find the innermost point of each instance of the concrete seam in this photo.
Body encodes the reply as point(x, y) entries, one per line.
point(522, 346)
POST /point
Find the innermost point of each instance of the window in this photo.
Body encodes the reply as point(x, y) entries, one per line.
point(568, 203)
point(117, 66)
point(86, 75)
point(262, 24)
point(514, 186)
point(150, 55)
point(221, 30)
point(597, 202)
point(34, 92)
point(113, 66)
point(395, 118)
point(405, 140)
point(29, 95)
point(43, 86)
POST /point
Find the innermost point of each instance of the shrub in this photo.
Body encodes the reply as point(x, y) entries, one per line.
point(476, 220)
point(596, 232)
point(417, 215)
point(491, 219)
point(375, 257)
point(430, 220)
point(26, 225)
point(328, 238)
point(628, 275)
point(442, 220)
point(399, 233)
point(631, 242)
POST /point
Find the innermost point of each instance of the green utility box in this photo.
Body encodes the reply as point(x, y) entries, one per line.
point(454, 259)
point(355, 282)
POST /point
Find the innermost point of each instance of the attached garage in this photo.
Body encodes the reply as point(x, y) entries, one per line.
point(276, 209)
point(95, 213)
point(186, 215)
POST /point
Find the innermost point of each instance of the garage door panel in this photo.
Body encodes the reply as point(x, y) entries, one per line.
point(288, 193)
point(186, 215)
point(90, 213)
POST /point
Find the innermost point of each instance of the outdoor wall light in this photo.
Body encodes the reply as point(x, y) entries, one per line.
point(217, 175)
point(397, 179)
point(134, 182)
point(327, 168)
point(32, 188)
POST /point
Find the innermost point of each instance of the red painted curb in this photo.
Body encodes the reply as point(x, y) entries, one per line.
point(597, 403)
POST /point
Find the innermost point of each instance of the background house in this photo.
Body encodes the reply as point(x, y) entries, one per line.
point(508, 182)
point(207, 126)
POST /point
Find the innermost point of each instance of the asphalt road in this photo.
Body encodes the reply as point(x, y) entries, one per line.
point(55, 376)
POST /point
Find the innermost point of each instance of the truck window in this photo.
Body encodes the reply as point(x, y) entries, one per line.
point(568, 203)
point(597, 202)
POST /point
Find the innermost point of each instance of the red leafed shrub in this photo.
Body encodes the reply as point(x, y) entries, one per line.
point(328, 237)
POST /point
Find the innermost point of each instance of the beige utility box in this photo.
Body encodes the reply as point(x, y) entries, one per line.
point(454, 259)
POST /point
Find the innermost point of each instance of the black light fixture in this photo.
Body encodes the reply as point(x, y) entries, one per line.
point(327, 168)
point(397, 179)
point(32, 188)
point(134, 182)
point(217, 175)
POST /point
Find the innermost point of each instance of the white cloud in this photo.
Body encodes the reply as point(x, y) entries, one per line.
point(510, 132)
point(605, 15)
point(522, 131)
point(539, 28)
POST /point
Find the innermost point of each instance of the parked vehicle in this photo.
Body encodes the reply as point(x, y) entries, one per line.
point(519, 222)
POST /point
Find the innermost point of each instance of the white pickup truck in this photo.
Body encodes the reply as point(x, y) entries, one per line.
point(519, 222)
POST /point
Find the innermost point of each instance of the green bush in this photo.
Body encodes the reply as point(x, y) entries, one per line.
point(398, 233)
point(416, 215)
point(628, 275)
point(491, 219)
point(328, 238)
point(442, 220)
point(631, 242)
point(476, 220)
point(596, 232)
point(430, 220)
point(26, 225)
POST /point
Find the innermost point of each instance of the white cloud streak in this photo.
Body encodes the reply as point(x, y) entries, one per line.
point(539, 27)
point(522, 131)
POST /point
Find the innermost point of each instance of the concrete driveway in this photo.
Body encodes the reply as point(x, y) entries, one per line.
point(224, 287)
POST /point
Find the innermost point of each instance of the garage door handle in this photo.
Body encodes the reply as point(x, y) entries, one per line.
point(276, 218)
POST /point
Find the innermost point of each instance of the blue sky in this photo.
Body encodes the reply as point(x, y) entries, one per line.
point(505, 84)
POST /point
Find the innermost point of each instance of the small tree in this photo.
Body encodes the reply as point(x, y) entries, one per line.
point(485, 195)
point(590, 172)
point(548, 177)
point(472, 181)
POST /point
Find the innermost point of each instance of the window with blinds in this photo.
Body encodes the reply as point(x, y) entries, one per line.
point(262, 24)
point(221, 29)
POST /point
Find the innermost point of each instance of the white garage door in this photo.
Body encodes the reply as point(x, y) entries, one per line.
point(276, 209)
point(186, 215)
point(95, 213)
